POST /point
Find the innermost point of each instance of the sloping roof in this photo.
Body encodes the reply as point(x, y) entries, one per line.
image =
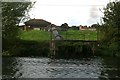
point(37, 23)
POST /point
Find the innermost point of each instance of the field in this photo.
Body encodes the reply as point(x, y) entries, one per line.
point(79, 35)
point(38, 35)
point(35, 35)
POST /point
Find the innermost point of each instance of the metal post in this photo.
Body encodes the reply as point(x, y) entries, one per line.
point(51, 32)
point(66, 34)
point(84, 35)
point(97, 33)
point(52, 44)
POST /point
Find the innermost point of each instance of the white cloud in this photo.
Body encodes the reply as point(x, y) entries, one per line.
point(73, 12)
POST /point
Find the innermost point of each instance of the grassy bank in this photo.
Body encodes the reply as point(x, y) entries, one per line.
point(79, 35)
point(37, 43)
point(27, 48)
point(38, 35)
point(34, 35)
point(64, 49)
point(73, 49)
point(42, 48)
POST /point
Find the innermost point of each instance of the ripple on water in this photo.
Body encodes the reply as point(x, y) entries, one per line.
point(57, 68)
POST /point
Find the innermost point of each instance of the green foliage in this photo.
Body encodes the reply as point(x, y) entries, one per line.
point(112, 22)
point(28, 48)
point(74, 28)
point(73, 49)
point(95, 25)
point(64, 26)
point(110, 30)
point(12, 12)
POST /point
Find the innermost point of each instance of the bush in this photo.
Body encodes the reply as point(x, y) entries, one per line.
point(73, 50)
point(29, 48)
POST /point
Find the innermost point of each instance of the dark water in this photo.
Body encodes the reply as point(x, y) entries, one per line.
point(23, 67)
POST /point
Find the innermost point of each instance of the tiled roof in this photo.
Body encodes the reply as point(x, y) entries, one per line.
point(37, 23)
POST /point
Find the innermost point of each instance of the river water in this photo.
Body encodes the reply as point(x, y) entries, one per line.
point(24, 67)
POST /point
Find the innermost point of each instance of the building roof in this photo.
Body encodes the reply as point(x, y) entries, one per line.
point(37, 23)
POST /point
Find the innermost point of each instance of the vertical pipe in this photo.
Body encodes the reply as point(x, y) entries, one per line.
point(52, 44)
point(50, 40)
point(97, 33)
point(66, 34)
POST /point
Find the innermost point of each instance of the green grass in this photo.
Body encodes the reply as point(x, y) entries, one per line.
point(35, 35)
point(80, 35)
point(38, 35)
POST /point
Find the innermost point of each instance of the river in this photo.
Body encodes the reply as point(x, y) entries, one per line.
point(26, 67)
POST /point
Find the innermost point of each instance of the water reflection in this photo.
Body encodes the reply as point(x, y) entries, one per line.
point(9, 67)
point(111, 68)
point(22, 67)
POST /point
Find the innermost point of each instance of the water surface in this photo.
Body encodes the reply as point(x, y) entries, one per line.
point(24, 67)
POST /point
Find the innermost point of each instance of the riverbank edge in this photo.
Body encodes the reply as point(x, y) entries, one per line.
point(24, 48)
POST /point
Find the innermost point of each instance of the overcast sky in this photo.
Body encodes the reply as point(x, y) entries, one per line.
point(73, 12)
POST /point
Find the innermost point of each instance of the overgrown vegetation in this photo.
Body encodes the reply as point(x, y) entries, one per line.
point(74, 49)
point(110, 29)
point(12, 13)
point(64, 49)
point(28, 48)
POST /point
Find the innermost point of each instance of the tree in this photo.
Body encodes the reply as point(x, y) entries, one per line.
point(111, 27)
point(75, 27)
point(64, 26)
point(95, 25)
point(12, 13)
point(112, 20)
